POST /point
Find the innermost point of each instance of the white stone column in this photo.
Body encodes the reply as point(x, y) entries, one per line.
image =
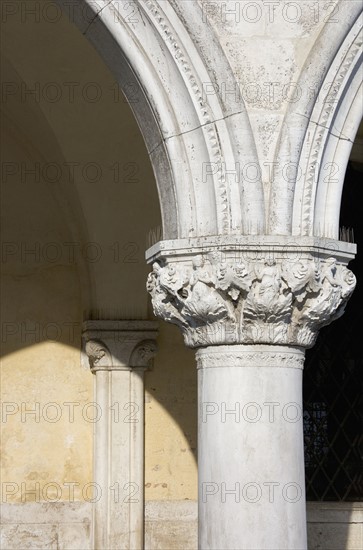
point(250, 307)
point(250, 448)
point(118, 353)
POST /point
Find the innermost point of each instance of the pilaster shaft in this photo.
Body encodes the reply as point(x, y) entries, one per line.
point(118, 353)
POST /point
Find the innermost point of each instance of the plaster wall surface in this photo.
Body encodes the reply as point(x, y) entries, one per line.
point(79, 206)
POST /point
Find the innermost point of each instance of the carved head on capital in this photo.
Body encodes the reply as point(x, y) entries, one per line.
point(198, 261)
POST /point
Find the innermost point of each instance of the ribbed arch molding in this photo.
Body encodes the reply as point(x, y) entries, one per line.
point(317, 136)
point(194, 139)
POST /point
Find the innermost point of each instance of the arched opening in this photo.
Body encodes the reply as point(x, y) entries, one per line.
point(333, 388)
point(80, 207)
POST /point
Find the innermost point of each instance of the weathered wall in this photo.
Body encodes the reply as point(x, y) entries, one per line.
point(113, 205)
point(169, 525)
point(41, 314)
point(78, 190)
point(171, 421)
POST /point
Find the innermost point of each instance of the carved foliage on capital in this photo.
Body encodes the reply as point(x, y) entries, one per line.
point(143, 354)
point(215, 300)
point(98, 354)
point(118, 345)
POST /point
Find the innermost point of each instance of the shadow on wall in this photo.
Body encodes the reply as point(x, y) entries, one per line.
point(171, 449)
point(78, 203)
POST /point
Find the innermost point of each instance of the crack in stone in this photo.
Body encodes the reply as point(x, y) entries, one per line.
point(326, 128)
point(95, 17)
point(194, 129)
point(204, 124)
point(238, 113)
point(156, 146)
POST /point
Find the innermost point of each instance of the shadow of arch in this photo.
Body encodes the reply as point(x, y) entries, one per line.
point(31, 127)
point(26, 122)
point(162, 71)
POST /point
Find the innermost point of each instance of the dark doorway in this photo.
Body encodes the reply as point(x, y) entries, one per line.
point(333, 381)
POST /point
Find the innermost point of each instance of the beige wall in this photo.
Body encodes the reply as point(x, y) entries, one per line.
point(171, 420)
point(106, 223)
point(41, 314)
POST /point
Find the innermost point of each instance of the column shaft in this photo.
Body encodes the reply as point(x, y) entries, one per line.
point(250, 448)
point(118, 460)
point(137, 449)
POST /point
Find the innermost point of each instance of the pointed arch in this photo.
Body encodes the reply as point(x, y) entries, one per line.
point(193, 136)
point(333, 70)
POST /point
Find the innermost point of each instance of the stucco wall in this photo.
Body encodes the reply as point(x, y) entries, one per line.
point(77, 190)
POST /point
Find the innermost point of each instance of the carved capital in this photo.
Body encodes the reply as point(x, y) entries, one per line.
point(225, 297)
point(143, 354)
point(118, 345)
point(98, 354)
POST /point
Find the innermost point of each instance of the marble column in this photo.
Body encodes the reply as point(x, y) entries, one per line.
point(118, 353)
point(250, 310)
point(250, 448)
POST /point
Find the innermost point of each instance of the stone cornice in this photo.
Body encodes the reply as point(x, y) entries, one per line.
point(251, 246)
point(231, 296)
point(118, 345)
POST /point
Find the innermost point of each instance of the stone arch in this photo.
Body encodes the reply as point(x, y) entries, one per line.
point(192, 134)
point(311, 132)
point(328, 140)
point(336, 155)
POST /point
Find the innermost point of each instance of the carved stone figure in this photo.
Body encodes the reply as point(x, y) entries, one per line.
point(215, 301)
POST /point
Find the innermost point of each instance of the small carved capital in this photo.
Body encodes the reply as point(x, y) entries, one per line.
point(119, 345)
point(227, 298)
